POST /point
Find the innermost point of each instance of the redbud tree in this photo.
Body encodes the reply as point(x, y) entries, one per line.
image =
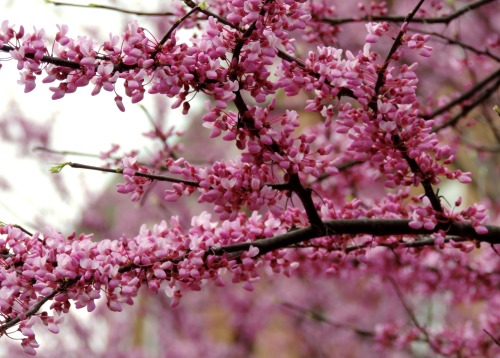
point(319, 224)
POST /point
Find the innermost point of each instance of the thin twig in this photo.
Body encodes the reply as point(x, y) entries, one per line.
point(12, 322)
point(397, 42)
point(497, 341)
point(138, 174)
point(464, 96)
point(317, 316)
point(423, 20)
point(66, 152)
point(450, 41)
point(19, 227)
point(469, 107)
point(176, 24)
point(410, 313)
point(113, 8)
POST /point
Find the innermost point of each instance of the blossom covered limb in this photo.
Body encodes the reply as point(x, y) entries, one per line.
point(395, 46)
point(37, 271)
point(377, 227)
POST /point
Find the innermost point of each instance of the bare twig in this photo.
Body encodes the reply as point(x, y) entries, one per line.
point(466, 95)
point(469, 107)
point(424, 20)
point(139, 174)
point(497, 341)
point(176, 24)
point(318, 316)
point(113, 8)
point(450, 41)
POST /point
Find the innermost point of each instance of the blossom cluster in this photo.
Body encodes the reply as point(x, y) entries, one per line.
point(76, 268)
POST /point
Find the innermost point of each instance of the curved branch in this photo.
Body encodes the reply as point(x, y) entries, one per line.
point(464, 96)
point(139, 174)
point(47, 59)
point(469, 107)
point(176, 24)
point(113, 8)
point(392, 51)
point(12, 322)
point(375, 227)
point(423, 20)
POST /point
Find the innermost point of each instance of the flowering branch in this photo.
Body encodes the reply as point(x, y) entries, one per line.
point(375, 227)
point(56, 169)
point(9, 323)
point(47, 59)
point(396, 44)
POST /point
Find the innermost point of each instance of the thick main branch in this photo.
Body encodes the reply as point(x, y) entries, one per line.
point(374, 227)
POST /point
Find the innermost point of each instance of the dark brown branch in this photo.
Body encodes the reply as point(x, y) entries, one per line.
point(305, 196)
point(450, 41)
point(497, 341)
point(424, 20)
point(139, 174)
point(415, 168)
point(12, 322)
point(459, 232)
point(318, 316)
point(464, 96)
point(397, 42)
point(47, 59)
point(18, 227)
point(176, 24)
point(105, 7)
point(375, 227)
point(222, 20)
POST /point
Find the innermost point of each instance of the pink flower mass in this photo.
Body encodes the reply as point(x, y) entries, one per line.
point(341, 124)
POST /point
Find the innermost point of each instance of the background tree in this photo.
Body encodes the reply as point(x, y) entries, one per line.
point(318, 140)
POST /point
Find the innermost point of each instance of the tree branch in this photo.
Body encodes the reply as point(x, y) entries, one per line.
point(105, 7)
point(318, 316)
point(176, 24)
point(375, 227)
point(467, 108)
point(47, 59)
point(423, 20)
point(139, 174)
point(12, 322)
point(466, 95)
point(397, 42)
